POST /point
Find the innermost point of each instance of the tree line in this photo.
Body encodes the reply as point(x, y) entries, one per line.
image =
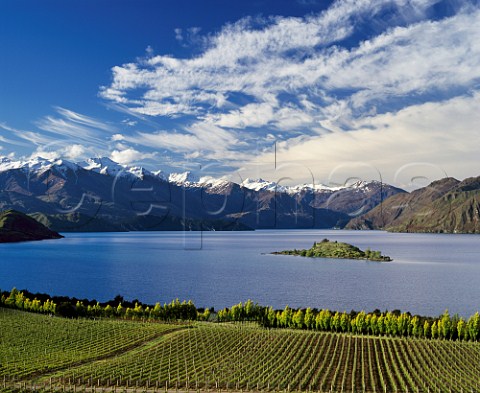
point(376, 323)
point(118, 308)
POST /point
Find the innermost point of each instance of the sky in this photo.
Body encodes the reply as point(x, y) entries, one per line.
point(293, 91)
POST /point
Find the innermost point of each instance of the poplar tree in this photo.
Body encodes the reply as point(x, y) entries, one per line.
point(309, 318)
point(426, 329)
point(473, 326)
point(298, 319)
point(446, 324)
point(462, 329)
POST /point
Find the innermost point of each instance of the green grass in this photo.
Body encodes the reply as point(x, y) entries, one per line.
point(229, 356)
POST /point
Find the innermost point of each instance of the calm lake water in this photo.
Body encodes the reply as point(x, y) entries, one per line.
point(429, 273)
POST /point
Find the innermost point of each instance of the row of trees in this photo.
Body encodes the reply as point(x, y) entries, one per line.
point(376, 323)
point(17, 299)
point(173, 311)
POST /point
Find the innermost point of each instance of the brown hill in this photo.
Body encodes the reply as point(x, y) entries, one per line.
point(17, 227)
point(446, 205)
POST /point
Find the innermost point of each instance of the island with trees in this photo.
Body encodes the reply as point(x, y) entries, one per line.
point(339, 250)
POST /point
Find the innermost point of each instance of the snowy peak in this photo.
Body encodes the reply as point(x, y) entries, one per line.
point(103, 165)
point(365, 186)
point(106, 166)
point(36, 164)
point(185, 178)
point(189, 179)
point(264, 185)
point(161, 175)
point(212, 182)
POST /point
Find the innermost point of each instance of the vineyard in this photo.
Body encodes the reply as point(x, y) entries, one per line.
point(131, 356)
point(34, 344)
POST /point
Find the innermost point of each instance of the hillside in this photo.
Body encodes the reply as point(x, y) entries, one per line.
point(444, 206)
point(17, 227)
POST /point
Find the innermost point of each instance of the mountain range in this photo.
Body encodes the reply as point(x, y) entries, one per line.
point(101, 195)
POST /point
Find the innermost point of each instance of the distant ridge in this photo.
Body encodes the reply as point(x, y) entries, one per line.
point(18, 227)
point(445, 206)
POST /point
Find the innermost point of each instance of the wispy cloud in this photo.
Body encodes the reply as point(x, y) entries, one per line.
point(21, 136)
point(309, 80)
point(75, 126)
point(73, 135)
point(189, 36)
point(203, 139)
point(285, 55)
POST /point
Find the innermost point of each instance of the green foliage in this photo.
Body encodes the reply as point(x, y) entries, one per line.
point(393, 324)
point(175, 310)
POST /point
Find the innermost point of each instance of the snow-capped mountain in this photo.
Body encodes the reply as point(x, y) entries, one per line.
point(265, 185)
point(160, 174)
point(106, 166)
point(109, 195)
point(36, 164)
point(101, 165)
point(186, 179)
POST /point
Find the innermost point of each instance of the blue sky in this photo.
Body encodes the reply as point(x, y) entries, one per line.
point(346, 89)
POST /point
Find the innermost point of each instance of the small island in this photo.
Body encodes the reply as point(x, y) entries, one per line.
point(329, 249)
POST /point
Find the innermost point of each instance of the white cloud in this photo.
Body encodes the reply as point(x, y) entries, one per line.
point(286, 55)
point(74, 152)
point(129, 155)
point(117, 137)
point(68, 135)
point(178, 34)
point(241, 58)
point(250, 115)
point(64, 150)
point(418, 59)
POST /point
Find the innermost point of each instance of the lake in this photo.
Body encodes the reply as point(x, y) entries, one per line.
point(429, 273)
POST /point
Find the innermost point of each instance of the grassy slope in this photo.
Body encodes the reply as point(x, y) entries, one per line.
point(234, 356)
